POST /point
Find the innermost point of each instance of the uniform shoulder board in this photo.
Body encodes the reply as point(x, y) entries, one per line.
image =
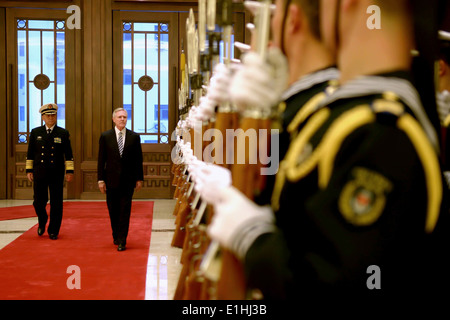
point(388, 103)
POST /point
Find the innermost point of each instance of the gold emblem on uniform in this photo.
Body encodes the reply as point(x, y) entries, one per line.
point(57, 140)
point(39, 138)
point(362, 200)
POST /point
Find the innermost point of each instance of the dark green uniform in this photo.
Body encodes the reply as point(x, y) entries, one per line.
point(49, 157)
point(360, 188)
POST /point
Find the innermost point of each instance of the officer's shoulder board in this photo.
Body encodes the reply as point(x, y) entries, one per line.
point(302, 158)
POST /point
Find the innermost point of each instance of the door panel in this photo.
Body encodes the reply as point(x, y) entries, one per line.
point(40, 70)
point(145, 48)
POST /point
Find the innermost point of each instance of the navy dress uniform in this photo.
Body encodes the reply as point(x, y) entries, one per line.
point(49, 158)
point(360, 207)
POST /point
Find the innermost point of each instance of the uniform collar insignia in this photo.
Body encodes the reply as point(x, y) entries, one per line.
point(368, 85)
point(310, 80)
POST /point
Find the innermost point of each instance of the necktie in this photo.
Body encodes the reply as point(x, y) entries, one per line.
point(49, 131)
point(120, 143)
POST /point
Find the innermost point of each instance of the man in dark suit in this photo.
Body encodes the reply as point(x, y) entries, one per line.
point(119, 172)
point(49, 157)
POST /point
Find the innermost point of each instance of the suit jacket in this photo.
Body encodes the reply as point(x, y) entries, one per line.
point(49, 153)
point(116, 170)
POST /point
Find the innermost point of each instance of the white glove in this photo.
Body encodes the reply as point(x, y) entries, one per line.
point(258, 85)
point(237, 221)
point(443, 105)
point(194, 168)
point(218, 91)
point(447, 178)
point(188, 156)
point(185, 148)
point(193, 118)
point(207, 108)
point(210, 180)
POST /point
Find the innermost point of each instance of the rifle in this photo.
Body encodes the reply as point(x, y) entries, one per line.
point(213, 273)
point(183, 216)
point(229, 273)
point(188, 235)
point(229, 285)
point(179, 191)
point(195, 280)
point(193, 247)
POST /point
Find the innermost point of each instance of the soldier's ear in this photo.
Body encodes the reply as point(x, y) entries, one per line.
point(295, 18)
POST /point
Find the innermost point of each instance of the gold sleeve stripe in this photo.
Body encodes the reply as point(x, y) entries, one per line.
point(70, 165)
point(430, 163)
point(29, 164)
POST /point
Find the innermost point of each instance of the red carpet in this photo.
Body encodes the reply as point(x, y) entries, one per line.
point(17, 212)
point(33, 267)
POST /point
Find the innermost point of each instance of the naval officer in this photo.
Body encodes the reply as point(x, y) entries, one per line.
point(49, 159)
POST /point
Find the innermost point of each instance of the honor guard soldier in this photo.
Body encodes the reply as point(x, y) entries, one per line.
point(311, 72)
point(359, 208)
point(49, 159)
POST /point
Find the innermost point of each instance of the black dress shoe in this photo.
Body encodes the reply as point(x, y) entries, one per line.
point(116, 242)
point(121, 247)
point(41, 231)
point(53, 236)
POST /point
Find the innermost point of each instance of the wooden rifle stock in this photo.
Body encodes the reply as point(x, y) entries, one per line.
point(247, 178)
point(224, 121)
point(182, 218)
point(210, 125)
point(188, 252)
point(174, 171)
point(195, 280)
point(232, 284)
point(180, 183)
point(177, 195)
point(190, 282)
point(177, 175)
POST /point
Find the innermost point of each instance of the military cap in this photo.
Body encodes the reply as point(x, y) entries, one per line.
point(49, 108)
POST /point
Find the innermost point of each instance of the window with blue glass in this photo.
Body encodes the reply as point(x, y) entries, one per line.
point(146, 79)
point(40, 72)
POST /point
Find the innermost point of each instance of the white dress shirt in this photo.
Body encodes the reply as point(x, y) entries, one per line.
point(124, 130)
point(51, 129)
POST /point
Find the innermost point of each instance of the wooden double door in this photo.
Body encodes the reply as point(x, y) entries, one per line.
point(115, 59)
